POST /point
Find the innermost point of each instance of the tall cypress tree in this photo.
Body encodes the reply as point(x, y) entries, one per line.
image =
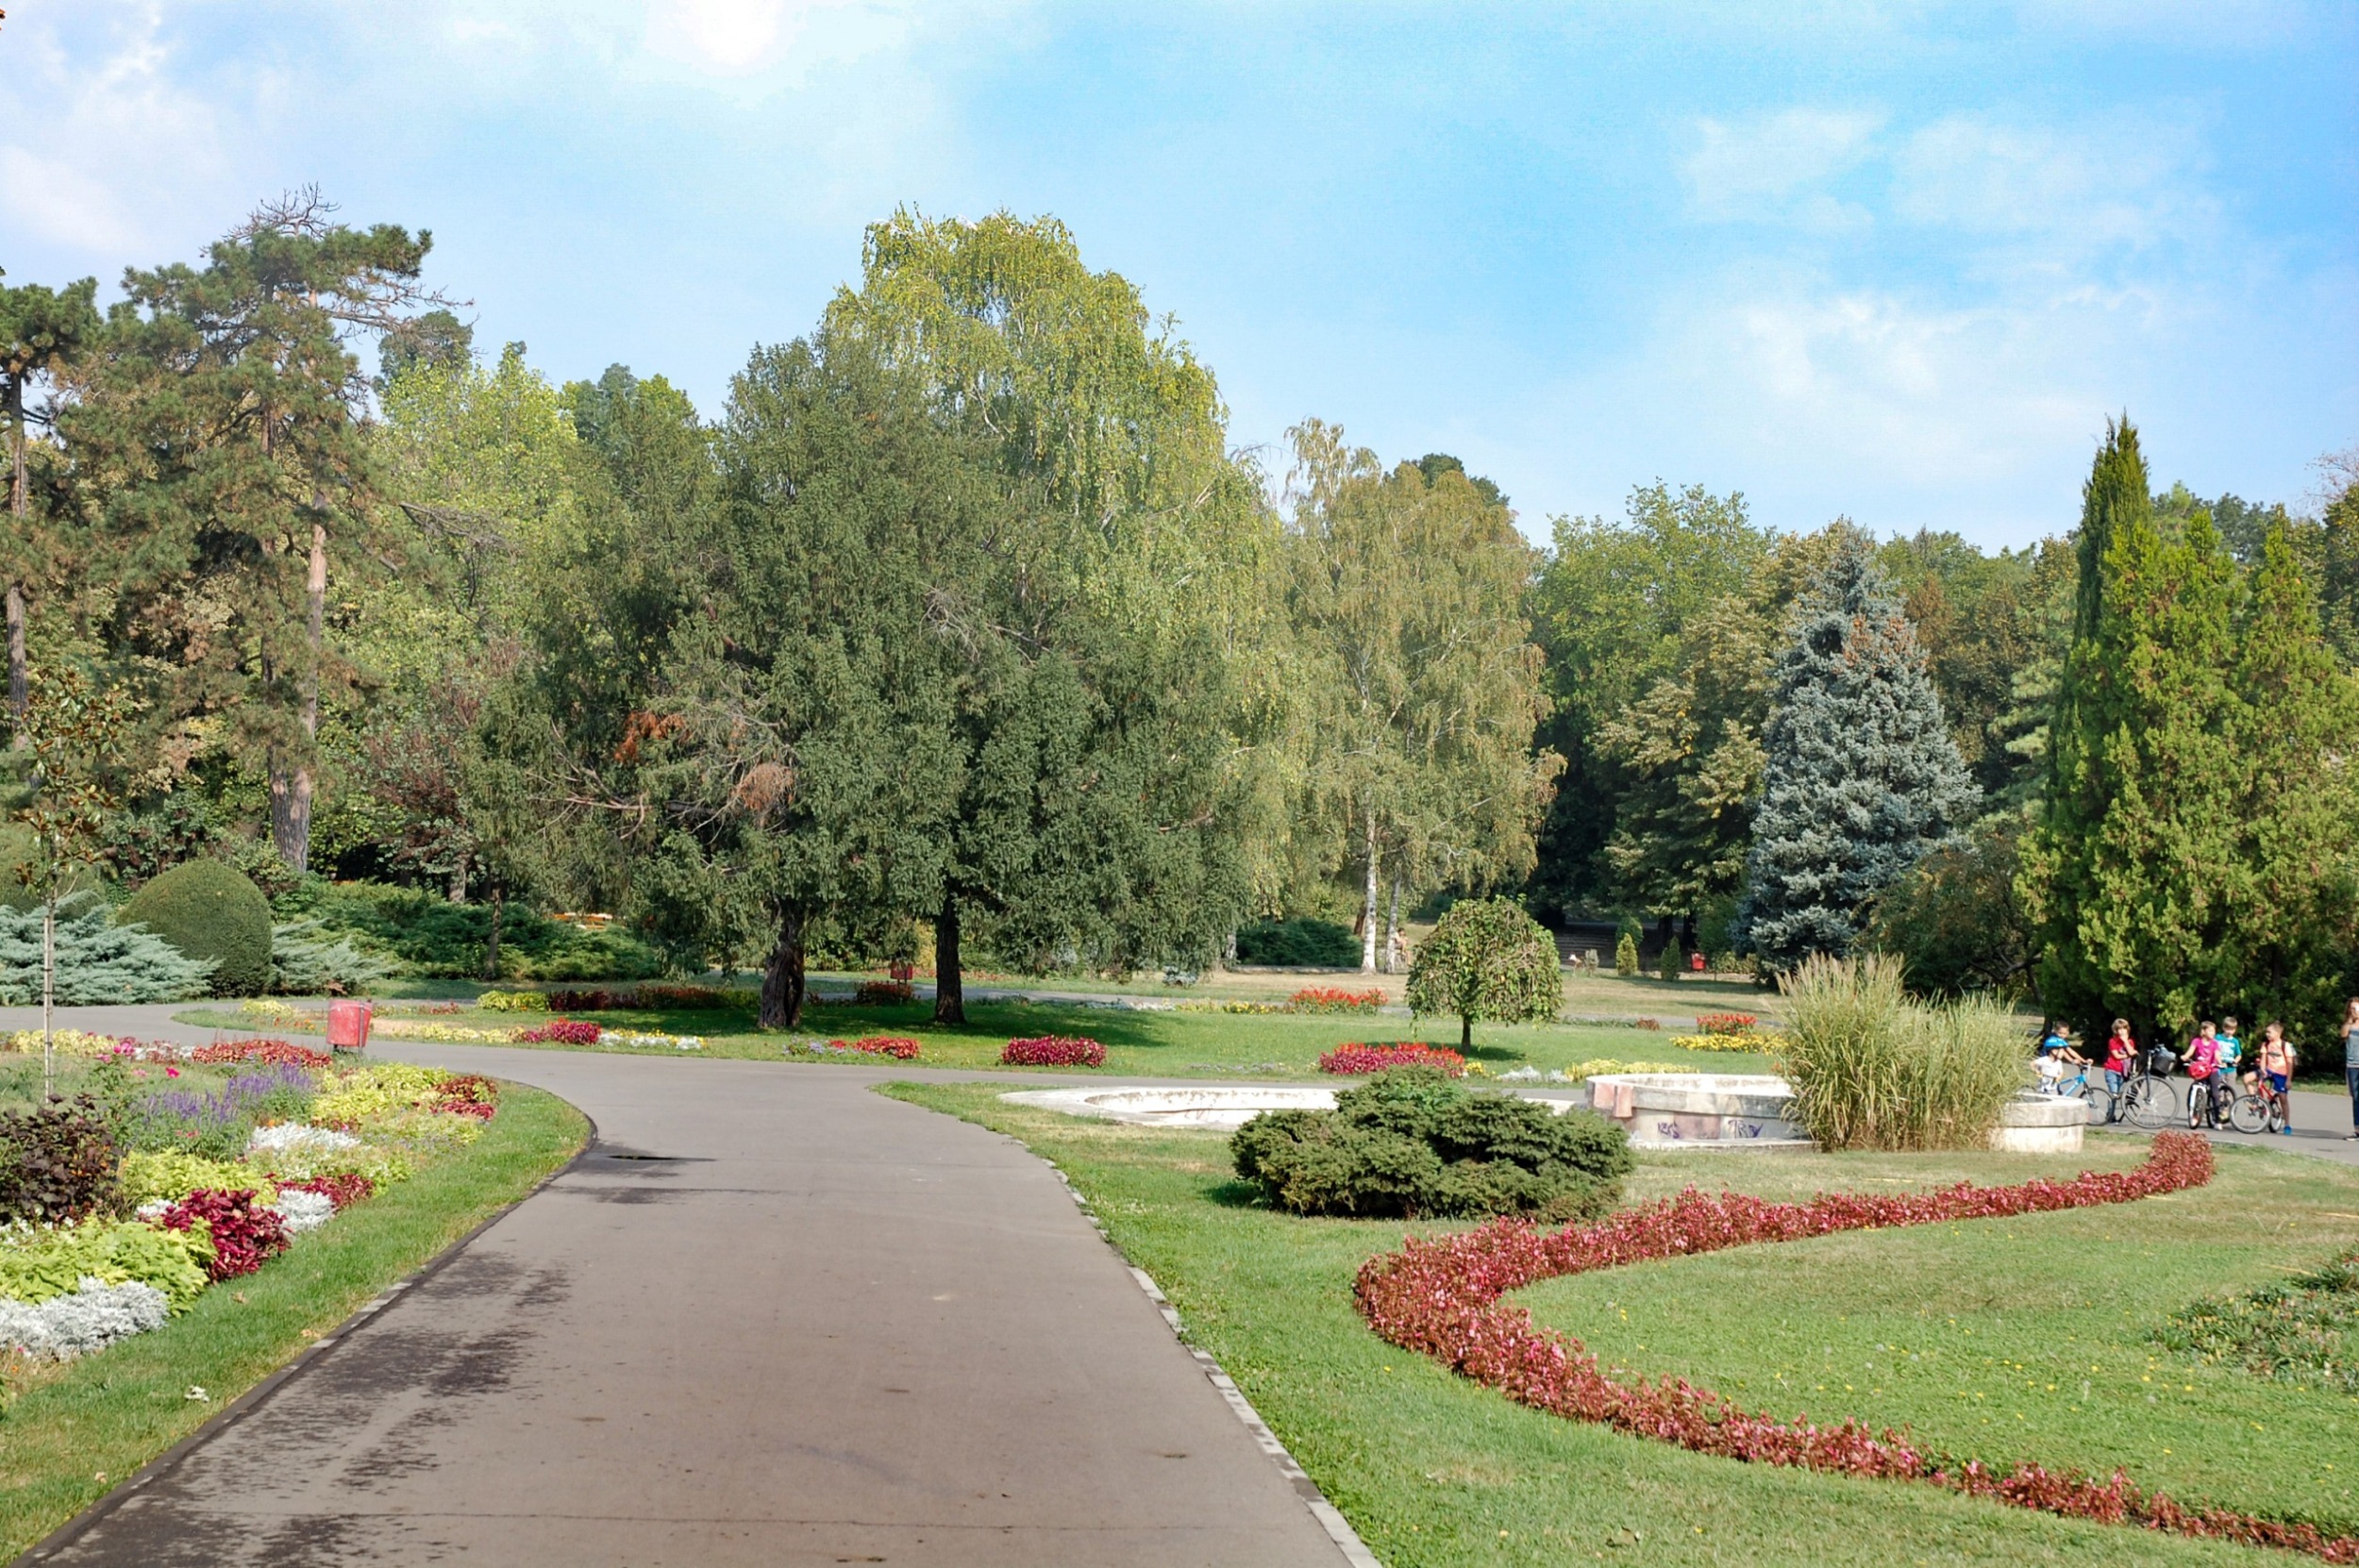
point(1861, 776)
point(2135, 866)
point(2290, 937)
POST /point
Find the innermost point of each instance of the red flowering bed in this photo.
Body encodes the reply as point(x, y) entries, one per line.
point(268, 1053)
point(343, 1189)
point(881, 993)
point(1725, 1023)
point(684, 998)
point(1335, 999)
point(1353, 1060)
point(244, 1235)
point(899, 1048)
point(1441, 1297)
point(1051, 1050)
point(469, 1095)
point(561, 1031)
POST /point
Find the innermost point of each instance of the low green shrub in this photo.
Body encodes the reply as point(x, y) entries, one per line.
point(55, 1262)
point(308, 959)
point(98, 961)
point(428, 934)
point(1301, 943)
point(2303, 1331)
point(1873, 1070)
point(1411, 1142)
point(514, 1001)
point(210, 911)
point(1626, 954)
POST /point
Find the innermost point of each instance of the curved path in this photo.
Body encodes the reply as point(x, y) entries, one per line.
point(769, 1317)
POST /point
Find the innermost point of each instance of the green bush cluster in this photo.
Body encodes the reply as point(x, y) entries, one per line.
point(97, 960)
point(209, 911)
point(114, 1252)
point(1411, 1142)
point(428, 934)
point(1301, 943)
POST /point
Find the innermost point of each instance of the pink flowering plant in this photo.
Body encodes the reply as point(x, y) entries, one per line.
point(1053, 1051)
point(1354, 1059)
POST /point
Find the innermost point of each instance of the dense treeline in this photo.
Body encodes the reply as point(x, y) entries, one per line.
point(960, 629)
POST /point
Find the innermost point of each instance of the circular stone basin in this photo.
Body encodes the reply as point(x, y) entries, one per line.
point(1698, 1111)
point(1222, 1108)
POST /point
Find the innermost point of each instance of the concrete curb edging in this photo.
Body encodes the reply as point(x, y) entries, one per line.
point(1331, 1518)
point(253, 1399)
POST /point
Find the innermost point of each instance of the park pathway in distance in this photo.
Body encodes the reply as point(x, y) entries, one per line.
point(769, 1317)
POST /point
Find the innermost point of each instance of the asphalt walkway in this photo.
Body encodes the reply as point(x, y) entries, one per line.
point(769, 1318)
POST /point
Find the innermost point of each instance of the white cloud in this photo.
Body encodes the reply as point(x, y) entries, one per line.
point(1770, 167)
point(2083, 189)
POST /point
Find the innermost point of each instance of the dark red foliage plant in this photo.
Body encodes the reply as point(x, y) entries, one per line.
point(244, 1234)
point(343, 1189)
point(1051, 1050)
point(57, 1160)
point(468, 1095)
point(1440, 1296)
point(561, 1031)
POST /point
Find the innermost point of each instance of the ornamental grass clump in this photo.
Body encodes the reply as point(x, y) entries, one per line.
point(1871, 1068)
point(1412, 1142)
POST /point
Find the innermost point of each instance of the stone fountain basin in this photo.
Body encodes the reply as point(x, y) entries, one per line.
point(1222, 1108)
point(1698, 1111)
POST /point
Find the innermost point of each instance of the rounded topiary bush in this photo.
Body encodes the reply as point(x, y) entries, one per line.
point(210, 911)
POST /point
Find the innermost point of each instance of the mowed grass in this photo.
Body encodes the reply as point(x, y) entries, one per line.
point(1433, 1470)
point(70, 1433)
point(1163, 1045)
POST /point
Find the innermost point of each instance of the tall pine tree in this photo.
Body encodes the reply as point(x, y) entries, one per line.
point(1861, 776)
point(2136, 868)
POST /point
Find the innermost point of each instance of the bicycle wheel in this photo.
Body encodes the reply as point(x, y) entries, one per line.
point(2251, 1113)
point(2149, 1103)
point(2100, 1103)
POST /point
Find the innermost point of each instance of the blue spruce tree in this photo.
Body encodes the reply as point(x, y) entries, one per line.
point(1861, 776)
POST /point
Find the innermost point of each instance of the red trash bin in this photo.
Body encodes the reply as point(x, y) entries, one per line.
point(348, 1026)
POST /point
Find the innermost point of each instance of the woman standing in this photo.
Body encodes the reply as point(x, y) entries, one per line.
point(2350, 1063)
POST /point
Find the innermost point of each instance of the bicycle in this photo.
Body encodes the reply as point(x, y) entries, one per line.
point(2257, 1109)
point(2221, 1107)
point(2098, 1098)
point(2147, 1097)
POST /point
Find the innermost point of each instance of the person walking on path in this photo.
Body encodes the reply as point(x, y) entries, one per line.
point(2351, 1061)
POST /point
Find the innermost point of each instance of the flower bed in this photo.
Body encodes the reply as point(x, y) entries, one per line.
point(1751, 1040)
point(883, 993)
point(268, 1053)
point(1440, 1297)
point(1353, 1060)
point(1335, 999)
point(899, 1048)
point(1053, 1051)
point(214, 1185)
point(68, 1043)
point(520, 1001)
point(1726, 1023)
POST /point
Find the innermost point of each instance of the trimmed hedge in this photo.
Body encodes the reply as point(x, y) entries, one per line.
point(207, 909)
point(1410, 1142)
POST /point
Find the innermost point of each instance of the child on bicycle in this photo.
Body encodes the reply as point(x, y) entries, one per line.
point(2120, 1051)
point(2203, 1062)
point(2232, 1063)
point(2055, 1052)
point(2277, 1073)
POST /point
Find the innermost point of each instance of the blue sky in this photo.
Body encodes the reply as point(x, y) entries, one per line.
point(1893, 261)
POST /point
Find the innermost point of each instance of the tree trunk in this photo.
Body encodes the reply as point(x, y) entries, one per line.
point(19, 686)
point(1465, 1033)
point(19, 505)
point(1367, 908)
point(291, 785)
point(949, 984)
point(48, 982)
point(783, 981)
point(491, 949)
point(1392, 932)
point(459, 881)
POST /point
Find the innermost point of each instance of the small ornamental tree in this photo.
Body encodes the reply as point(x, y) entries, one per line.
point(1626, 954)
point(1487, 960)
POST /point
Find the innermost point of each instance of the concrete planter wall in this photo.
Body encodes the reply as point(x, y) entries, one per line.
point(1713, 1111)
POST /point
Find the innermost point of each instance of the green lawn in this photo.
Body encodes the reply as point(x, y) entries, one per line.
point(1172, 1044)
point(1433, 1470)
point(69, 1433)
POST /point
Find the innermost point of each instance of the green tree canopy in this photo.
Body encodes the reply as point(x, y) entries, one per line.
point(1486, 961)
